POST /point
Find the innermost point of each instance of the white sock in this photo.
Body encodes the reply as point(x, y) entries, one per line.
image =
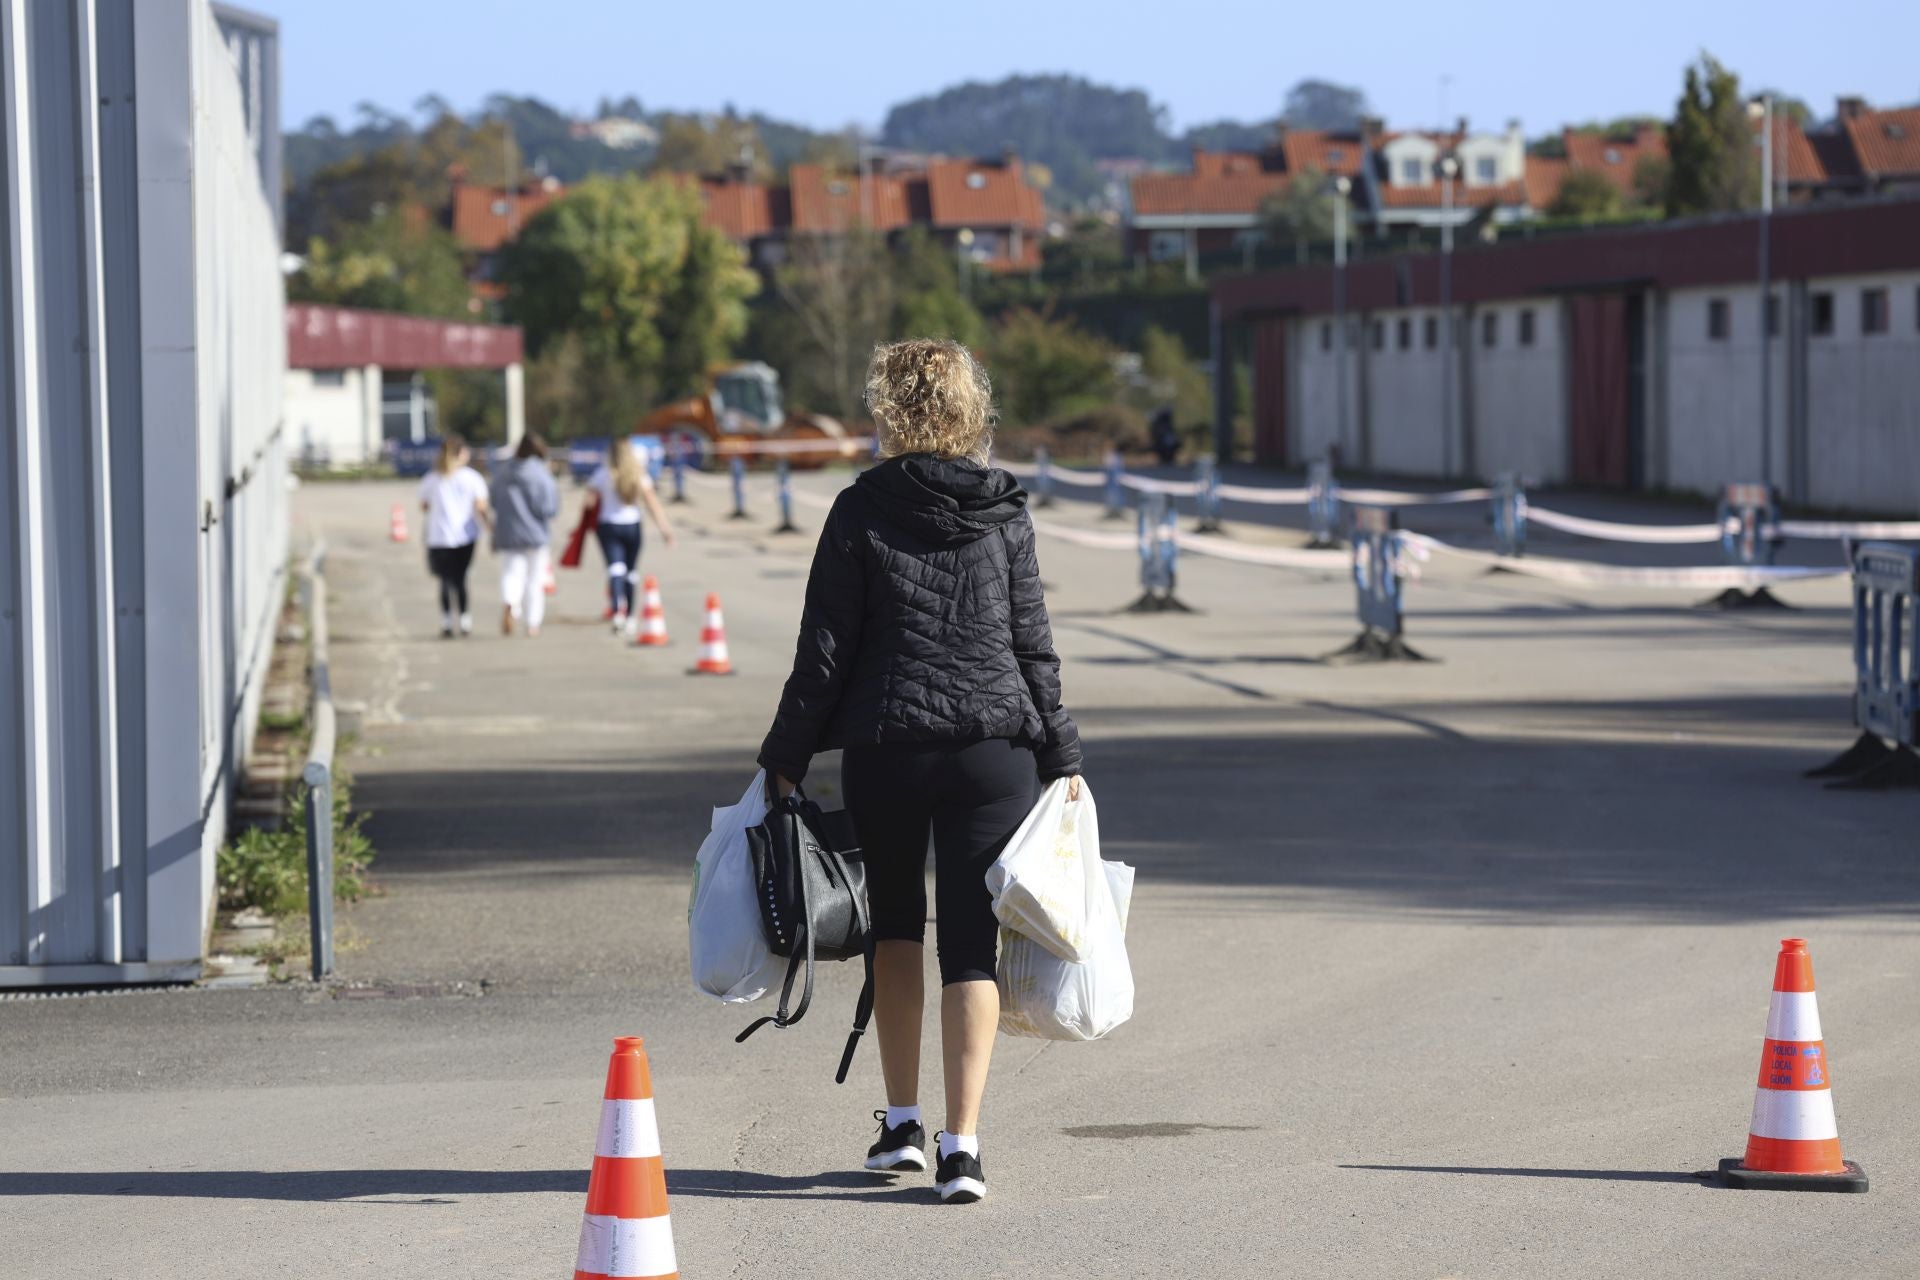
point(897, 1116)
point(952, 1142)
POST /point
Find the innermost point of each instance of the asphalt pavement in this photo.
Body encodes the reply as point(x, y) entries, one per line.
point(1456, 968)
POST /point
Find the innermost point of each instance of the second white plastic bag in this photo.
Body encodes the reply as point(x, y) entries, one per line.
point(725, 941)
point(1044, 996)
point(1047, 884)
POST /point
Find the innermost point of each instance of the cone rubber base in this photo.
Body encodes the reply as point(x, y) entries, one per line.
point(1734, 1175)
point(1372, 646)
point(1735, 598)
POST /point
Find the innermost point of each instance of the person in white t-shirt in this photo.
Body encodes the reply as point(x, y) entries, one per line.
point(455, 499)
point(623, 488)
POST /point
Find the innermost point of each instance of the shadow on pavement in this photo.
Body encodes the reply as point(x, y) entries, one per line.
point(845, 1185)
point(1601, 1175)
point(423, 1186)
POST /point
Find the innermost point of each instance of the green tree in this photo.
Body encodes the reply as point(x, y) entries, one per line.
point(927, 298)
point(399, 261)
point(1650, 174)
point(1301, 211)
point(1170, 377)
point(714, 144)
point(1710, 144)
point(1586, 193)
point(837, 299)
point(1045, 369)
point(572, 393)
point(628, 265)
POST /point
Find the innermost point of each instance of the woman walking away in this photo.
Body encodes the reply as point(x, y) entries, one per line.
point(926, 653)
point(455, 499)
point(526, 500)
point(624, 488)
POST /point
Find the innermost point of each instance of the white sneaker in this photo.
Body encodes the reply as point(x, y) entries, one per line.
point(619, 624)
point(466, 624)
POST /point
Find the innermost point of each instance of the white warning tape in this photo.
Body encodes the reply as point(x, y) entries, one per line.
point(1267, 497)
point(1277, 557)
point(1087, 537)
point(1692, 577)
point(842, 446)
point(1616, 532)
point(1895, 529)
point(1399, 498)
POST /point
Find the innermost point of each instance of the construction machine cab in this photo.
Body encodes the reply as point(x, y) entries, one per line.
point(746, 400)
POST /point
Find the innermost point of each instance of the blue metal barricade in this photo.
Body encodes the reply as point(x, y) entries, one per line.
point(677, 448)
point(1323, 505)
point(1510, 514)
point(1116, 497)
point(1749, 519)
point(1158, 529)
point(1379, 572)
point(1042, 477)
point(783, 474)
point(1886, 667)
point(739, 471)
point(1206, 495)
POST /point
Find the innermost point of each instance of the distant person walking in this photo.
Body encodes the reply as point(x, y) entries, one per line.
point(454, 496)
point(525, 501)
point(623, 487)
point(925, 651)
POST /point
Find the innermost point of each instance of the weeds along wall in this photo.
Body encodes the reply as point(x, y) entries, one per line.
point(143, 501)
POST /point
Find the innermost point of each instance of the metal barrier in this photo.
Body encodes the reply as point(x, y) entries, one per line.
point(1116, 491)
point(1749, 520)
point(1379, 553)
point(677, 460)
point(1206, 495)
point(1323, 505)
point(1042, 477)
point(318, 774)
point(738, 469)
point(1158, 540)
point(783, 490)
point(1886, 665)
point(1510, 514)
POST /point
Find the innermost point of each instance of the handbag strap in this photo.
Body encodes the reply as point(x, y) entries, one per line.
point(862, 1012)
point(780, 1017)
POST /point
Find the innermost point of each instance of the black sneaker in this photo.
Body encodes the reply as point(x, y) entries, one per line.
point(901, 1149)
point(960, 1179)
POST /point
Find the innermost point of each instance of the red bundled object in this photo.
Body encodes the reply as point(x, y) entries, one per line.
point(589, 521)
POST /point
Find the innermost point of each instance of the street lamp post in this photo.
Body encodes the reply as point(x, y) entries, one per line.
point(1448, 168)
point(963, 245)
point(1340, 188)
point(1763, 110)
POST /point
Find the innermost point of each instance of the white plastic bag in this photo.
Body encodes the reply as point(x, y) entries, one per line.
point(1047, 883)
point(1044, 996)
point(725, 941)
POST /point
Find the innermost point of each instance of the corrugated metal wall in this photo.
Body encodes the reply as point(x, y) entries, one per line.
point(142, 479)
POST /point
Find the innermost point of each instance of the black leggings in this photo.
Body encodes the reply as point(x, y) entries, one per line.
point(620, 544)
point(971, 797)
point(450, 565)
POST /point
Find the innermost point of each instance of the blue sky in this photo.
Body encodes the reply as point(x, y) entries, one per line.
point(830, 64)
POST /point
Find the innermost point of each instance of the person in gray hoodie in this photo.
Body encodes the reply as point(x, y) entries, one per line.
point(525, 501)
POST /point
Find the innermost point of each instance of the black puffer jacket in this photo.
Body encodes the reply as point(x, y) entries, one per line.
point(924, 622)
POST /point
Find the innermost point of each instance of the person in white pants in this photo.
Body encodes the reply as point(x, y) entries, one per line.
point(526, 501)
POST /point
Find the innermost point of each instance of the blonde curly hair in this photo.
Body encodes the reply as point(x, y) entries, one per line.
point(929, 395)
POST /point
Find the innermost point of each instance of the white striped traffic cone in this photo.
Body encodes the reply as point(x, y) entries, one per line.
point(1793, 1143)
point(653, 617)
point(397, 523)
point(713, 643)
point(626, 1231)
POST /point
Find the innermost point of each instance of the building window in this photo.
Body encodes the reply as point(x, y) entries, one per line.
point(976, 182)
point(1335, 156)
point(1326, 335)
point(1406, 333)
point(1432, 335)
point(1718, 325)
point(1873, 311)
point(1526, 327)
point(329, 377)
point(1486, 169)
point(1490, 329)
point(1379, 335)
point(1773, 316)
point(1822, 321)
point(1167, 246)
point(1412, 172)
point(1612, 155)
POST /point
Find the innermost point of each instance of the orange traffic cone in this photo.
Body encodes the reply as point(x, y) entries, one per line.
point(547, 583)
point(653, 618)
point(1793, 1143)
point(626, 1231)
point(713, 643)
point(397, 525)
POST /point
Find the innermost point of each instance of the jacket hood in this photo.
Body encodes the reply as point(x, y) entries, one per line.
point(942, 500)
